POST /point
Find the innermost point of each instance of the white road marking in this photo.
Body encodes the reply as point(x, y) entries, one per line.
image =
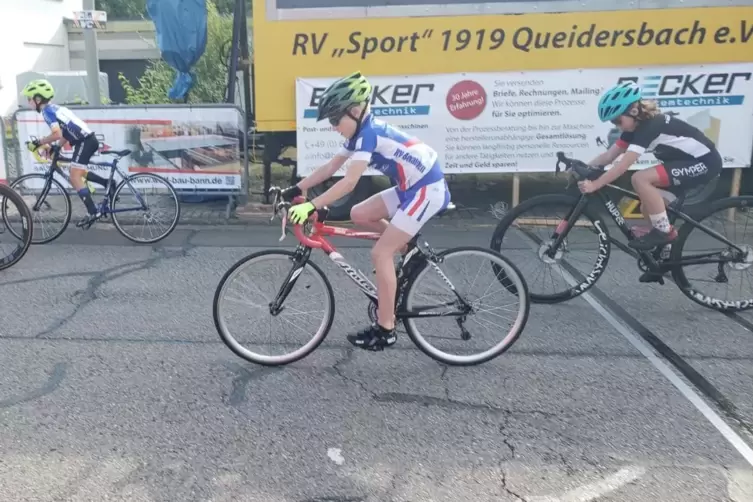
point(740, 485)
point(335, 454)
point(598, 489)
point(729, 434)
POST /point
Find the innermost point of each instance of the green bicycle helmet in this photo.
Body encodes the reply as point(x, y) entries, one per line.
point(40, 87)
point(342, 95)
point(617, 100)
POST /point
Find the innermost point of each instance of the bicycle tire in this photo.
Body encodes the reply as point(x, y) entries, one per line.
point(605, 244)
point(7, 194)
point(131, 179)
point(246, 354)
point(678, 273)
point(68, 207)
point(512, 272)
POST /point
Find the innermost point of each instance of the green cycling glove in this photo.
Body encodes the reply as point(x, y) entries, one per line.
point(299, 213)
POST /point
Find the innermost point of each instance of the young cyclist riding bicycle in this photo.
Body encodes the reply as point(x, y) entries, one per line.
point(420, 192)
point(66, 126)
point(688, 159)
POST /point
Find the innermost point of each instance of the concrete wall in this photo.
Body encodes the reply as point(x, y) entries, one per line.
point(33, 37)
point(125, 40)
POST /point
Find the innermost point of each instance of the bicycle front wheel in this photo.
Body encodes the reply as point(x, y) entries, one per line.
point(156, 218)
point(53, 203)
point(526, 234)
point(498, 310)
point(310, 300)
point(16, 211)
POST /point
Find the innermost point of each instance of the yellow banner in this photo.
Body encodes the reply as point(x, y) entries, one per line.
point(284, 50)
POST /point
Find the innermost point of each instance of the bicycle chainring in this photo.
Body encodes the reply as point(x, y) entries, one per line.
point(372, 310)
point(642, 265)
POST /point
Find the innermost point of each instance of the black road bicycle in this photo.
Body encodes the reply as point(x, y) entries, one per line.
point(731, 257)
point(18, 212)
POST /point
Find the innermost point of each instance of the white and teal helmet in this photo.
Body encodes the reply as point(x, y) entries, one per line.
point(617, 100)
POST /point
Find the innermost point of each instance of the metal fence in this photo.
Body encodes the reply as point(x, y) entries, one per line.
point(200, 149)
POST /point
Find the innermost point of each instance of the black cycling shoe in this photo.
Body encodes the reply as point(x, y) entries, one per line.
point(653, 239)
point(87, 221)
point(373, 338)
point(651, 277)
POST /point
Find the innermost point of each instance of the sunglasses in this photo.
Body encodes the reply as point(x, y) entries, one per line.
point(335, 121)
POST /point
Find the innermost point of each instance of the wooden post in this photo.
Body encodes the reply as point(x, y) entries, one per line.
point(734, 191)
point(515, 189)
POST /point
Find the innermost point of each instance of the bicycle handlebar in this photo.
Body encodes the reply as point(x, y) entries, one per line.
point(578, 168)
point(280, 206)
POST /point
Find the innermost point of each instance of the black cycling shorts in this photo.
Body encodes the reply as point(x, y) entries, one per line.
point(84, 150)
point(680, 175)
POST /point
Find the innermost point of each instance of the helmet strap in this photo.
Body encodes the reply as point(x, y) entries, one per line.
point(635, 111)
point(358, 120)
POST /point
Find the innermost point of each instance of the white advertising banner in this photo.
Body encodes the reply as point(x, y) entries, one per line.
point(193, 148)
point(515, 122)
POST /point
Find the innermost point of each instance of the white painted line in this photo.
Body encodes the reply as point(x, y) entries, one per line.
point(725, 430)
point(335, 455)
point(592, 491)
point(740, 485)
point(729, 434)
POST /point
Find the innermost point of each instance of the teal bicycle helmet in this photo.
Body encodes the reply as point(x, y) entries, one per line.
point(617, 100)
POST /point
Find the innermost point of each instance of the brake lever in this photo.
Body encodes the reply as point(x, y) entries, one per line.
point(284, 225)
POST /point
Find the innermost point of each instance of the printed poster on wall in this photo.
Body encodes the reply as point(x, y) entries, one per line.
point(516, 122)
point(193, 148)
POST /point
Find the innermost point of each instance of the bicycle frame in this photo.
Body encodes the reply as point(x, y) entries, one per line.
point(649, 257)
point(104, 206)
point(318, 240)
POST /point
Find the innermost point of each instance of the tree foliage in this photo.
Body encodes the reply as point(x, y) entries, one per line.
point(210, 71)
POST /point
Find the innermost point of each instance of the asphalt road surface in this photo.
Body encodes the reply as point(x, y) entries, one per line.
point(115, 386)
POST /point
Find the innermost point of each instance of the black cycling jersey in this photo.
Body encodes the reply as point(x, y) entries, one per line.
point(669, 139)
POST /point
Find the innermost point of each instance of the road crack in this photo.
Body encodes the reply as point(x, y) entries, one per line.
point(99, 279)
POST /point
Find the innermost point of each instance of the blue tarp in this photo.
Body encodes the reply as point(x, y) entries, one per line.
point(181, 27)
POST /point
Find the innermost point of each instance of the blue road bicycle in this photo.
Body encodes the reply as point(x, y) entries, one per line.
point(156, 213)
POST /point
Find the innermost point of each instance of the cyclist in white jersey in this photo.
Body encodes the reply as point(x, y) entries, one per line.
point(420, 192)
point(66, 126)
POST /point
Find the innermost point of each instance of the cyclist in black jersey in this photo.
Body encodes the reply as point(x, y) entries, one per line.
point(66, 127)
point(688, 158)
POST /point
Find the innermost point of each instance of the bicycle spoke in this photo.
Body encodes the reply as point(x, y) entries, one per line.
point(479, 340)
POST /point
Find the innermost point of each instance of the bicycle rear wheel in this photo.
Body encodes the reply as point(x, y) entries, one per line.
point(162, 211)
point(478, 297)
point(701, 282)
point(277, 269)
point(16, 211)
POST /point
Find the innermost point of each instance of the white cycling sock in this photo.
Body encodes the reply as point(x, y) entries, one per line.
point(660, 221)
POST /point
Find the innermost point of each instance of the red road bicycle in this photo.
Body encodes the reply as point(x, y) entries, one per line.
point(420, 264)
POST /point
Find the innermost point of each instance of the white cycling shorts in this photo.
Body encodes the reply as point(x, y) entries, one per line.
point(410, 210)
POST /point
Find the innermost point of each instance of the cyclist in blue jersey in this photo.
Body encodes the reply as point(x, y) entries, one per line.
point(66, 126)
point(420, 192)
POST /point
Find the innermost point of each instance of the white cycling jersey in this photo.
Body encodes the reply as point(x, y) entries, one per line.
point(74, 129)
point(409, 162)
